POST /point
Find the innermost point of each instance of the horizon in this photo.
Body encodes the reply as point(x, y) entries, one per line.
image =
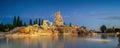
point(91, 14)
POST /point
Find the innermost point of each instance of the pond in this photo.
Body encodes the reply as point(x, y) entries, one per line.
point(66, 41)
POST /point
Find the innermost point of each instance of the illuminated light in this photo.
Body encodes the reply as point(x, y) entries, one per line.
point(103, 40)
point(117, 33)
point(94, 34)
point(98, 40)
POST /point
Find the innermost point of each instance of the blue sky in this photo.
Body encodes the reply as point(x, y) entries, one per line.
point(89, 13)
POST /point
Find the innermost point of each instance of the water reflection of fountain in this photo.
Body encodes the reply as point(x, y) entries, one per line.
point(118, 40)
point(103, 36)
point(61, 41)
point(41, 41)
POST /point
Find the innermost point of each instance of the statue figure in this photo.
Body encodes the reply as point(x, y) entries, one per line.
point(45, 25)
point(58, 19)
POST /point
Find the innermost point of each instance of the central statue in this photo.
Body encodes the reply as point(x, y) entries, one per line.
point(58, 19)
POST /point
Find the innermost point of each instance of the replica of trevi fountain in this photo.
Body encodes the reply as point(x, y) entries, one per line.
point(48, 29)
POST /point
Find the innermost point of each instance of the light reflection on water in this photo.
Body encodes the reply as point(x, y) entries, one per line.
point(98, 41)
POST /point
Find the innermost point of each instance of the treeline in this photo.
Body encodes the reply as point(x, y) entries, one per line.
point(17, 22)
point(104, 29)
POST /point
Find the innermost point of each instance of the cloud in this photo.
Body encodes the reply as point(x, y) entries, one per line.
point(111, 18)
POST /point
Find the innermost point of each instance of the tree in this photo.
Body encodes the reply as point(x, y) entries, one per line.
point(36, 22)
point(8, 26)
point(113, 28)
point(103, 28)
point(42, 22)
point(14, 21)
point(70, 24)
point(21, 23)
point(39, 22)
point(30, 22)
point(117, 29)
point(109, 30)
point(64, 23)
point(25, 24)
point(1, 27)
point(18, 21)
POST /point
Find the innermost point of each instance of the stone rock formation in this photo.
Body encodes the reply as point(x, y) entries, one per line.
point(45, 25)
point(58, 19)
point(83, 29)
point(49, 28)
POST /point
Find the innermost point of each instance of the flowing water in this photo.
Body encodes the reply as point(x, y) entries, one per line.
point(68, 41)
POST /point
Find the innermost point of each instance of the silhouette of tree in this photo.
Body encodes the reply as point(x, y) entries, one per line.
point(1, 27)
point(64, 23)
point(21, 23)
point(9, 26)
point(117, 29)
point(42, 22)
point(109, 30)
point(113, 28)
point(70, 24)
point(14, 21)
point(103, 28)
point(18, 21)
point(36, 22)
point(39, 22)
point(30, 22)
point(25, 24)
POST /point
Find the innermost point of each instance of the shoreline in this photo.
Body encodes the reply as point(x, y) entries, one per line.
point(7, 34)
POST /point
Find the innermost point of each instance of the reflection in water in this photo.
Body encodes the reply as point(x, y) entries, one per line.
point(60, 41)
point(103, 36)
point(118, 40)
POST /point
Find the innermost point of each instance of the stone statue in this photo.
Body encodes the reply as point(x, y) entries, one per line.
point(45, 25)
point(58, 19)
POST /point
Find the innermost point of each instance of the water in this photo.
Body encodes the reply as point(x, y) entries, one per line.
point(98, 41)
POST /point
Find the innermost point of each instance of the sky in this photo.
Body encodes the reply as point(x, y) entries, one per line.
point(89, 13)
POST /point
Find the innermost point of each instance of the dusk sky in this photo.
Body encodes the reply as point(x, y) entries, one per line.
point(89, 13)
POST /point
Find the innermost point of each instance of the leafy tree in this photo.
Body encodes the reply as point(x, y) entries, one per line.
point(70, 24)
point(42, 22)
point(64, 23)
point(1, 27)
point(113, 28)
point(39, 22)
point(36, 22)
point(103, 28)
point(8, 26)
point(21, 23)
point(109, 30)
point(25, 24)
point(14, 21)
point(30, 22)
point(117, 29)
point(18, 21)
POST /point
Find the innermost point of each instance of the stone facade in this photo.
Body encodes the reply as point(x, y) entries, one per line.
point(58, 19)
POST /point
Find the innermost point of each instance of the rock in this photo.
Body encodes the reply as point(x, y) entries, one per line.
point(22, 30)
point(58, 19)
